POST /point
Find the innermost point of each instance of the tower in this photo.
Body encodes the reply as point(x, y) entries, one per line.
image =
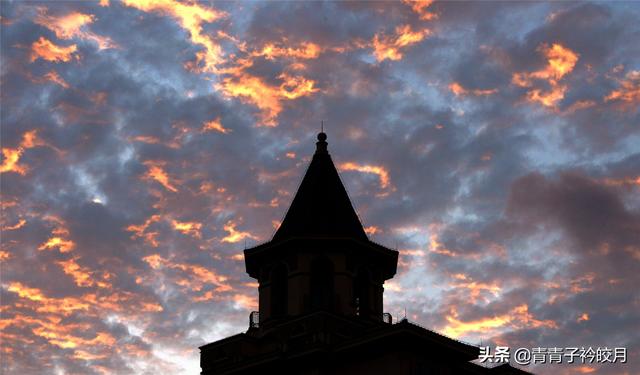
point(320, 299)
point(320, 258)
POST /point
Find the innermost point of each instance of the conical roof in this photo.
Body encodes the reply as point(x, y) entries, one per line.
point(321, 206)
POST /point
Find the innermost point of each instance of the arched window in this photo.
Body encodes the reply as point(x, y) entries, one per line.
point(361, 292)
point(279, 291)
point(322, 285)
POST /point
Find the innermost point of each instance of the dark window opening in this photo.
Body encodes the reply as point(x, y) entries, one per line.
point(279, 291)
point(362, 286)
point(322, 285)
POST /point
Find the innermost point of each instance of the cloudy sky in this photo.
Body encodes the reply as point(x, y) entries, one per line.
point(146, 143)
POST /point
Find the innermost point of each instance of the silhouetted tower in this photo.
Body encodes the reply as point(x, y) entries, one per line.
point(320, 258)
point(320, 295)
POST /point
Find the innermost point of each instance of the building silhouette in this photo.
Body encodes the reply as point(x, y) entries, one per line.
point(320, 299)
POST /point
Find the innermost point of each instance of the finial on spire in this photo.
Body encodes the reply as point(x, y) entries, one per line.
point(321, 145)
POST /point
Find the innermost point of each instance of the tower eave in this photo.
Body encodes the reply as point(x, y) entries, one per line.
point(386, 258)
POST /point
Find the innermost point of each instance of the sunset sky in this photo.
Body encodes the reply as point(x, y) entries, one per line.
point(146, 143)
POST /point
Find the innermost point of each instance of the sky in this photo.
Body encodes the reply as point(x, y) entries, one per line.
point(146, 143)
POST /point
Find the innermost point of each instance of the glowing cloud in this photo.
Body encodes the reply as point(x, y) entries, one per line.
point(420, 7)
point(11, 157)
point(371, 230)
point(389, 46)
point(458, 90)
point(627, 181)
point(82, 276)
point(189, 228)
point(156, 173)
point(18, 225)
point(196, 276)
point(234, 234)
point(518, 317)
point(381, 172)
point(63, 245)
point(47, 50)
point(306, 50)
point(59, 306)
point(560, 62)
point(243, 301)
point(59, 237)
point(266, 97)
point(140, 231)
point(628, 93)
point(437, 247)
point(190, 16)
point(457, 328)
point(72, 25)
point(583, 318)
point(54, 77)
point(476, 289)
point(215, 125)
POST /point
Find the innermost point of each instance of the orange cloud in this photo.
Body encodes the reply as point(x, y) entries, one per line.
point(238, 83)
point(457, 328)
point(59, 237)
point(580, 105)
point(626, 181)
point(516, 318)
point(54, 77)
point(476, 289)
point(585, 369)
point(435, 246)
point(583, 318)
point(215, 125)
point(190, 16)
point(156, 173)
point(420, 7)
point(371, 230)
point(197, 276)
point(62, 306)
point(47, 50)
point(148, 139)
point(11, 157)
point(63, 245)
point(63, 335)
point(87, 356)
point(305, 50)
point(560, 62)
point(234, 234)
point(51, 77)
point(30, 139)
point(458, 90)
point(389, 46)
point(82, 276)
point(140, 231)
point(266, 97)
point(72, 25)
point(52, 321)
point(381, 172)
point(547, 98)
point(189, 228)
point(245, 302)
point(628, 93)
point(238, 257)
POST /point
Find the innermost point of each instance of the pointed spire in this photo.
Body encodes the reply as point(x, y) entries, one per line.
point(321, 206)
